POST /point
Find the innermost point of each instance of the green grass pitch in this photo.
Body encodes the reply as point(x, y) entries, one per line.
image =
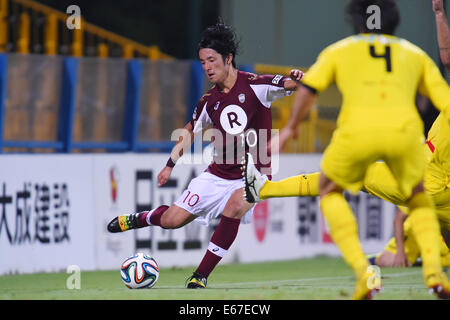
point(321, 278)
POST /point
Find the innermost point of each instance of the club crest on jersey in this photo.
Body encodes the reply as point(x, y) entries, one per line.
point(216, 106)
point(233, 119)
point(252, 76)
point(241, 98)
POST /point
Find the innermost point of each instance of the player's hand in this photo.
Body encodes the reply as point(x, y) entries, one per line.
point(164, 175)
point(401, 260)
point(285, 134)
point(438, 6)
point(296, 75)
point(278, 142)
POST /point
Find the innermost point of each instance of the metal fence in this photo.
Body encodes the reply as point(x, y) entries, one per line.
point(64, 104)
point(67, 104)
point(27, 26)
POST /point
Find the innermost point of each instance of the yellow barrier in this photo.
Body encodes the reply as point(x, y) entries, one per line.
point(51, 34)
point(103, 50)
point(54, 18)
point(23, 43)
point(281, 110)
point(78, 41)
point(3, 25)
point(315, 132)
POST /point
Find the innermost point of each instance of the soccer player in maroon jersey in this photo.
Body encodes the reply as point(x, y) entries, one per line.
point(236, 107)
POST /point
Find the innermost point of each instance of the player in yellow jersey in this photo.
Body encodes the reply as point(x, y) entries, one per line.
point(402, 250)
point(380, 182)
point(378, 76)
point(437, 174)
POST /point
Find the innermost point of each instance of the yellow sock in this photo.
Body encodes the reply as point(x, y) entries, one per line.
point(425, 227)
point(445, 254)
point(444, 249)
point(296, 186)
point(445, 260)
point(344, 231)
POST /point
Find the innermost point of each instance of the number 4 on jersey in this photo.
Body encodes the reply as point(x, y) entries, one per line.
point(386, 56)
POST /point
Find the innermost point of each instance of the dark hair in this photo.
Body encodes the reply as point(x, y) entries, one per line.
point(357, 14)
point(220, 38)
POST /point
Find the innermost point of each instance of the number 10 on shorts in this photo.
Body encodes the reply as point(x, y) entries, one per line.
point(191, 200)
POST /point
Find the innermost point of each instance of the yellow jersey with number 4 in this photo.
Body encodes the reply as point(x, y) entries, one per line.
point(378, 77)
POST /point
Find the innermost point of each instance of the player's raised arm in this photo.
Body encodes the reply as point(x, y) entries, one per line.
point(318, 78)
point(433, 86)
point(443, 32)
point(304, 98)
point(185, 140)
point(303, 101)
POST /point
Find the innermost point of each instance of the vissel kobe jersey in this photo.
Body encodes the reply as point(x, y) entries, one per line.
point(240, 121)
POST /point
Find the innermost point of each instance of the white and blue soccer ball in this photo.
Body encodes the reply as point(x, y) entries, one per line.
point(139, 271)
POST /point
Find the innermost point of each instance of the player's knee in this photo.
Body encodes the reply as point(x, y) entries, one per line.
point(166, 222)
point(418, 189)
point(385, 260)
point(169, 221)
point(327, 186)
point(234, 209)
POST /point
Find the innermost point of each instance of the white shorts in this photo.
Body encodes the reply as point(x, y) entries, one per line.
point(207, 195)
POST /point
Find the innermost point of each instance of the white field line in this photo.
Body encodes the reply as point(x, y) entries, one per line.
point(297, 281)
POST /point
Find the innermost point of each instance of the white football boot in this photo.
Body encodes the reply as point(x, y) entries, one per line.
point(254, 180)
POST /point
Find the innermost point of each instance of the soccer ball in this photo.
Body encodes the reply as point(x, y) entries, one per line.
point(139, 271)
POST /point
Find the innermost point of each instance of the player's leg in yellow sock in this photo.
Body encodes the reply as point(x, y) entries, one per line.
point(445, 260)
point(344, 231)
point(296, 186)
point(445, 254)
point(444, 249)
point(425, 227)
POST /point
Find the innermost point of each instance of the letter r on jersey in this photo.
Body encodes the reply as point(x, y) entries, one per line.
point(232, 118)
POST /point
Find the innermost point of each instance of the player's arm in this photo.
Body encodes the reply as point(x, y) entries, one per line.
point(269, 88)
point(295, 76)
point(185, 140)
point(443, 32)
point(400, 258)
point(433, 86)
point(304, 99)
point(317, 78)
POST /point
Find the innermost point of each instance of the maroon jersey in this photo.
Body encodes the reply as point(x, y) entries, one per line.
point(241, 121)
